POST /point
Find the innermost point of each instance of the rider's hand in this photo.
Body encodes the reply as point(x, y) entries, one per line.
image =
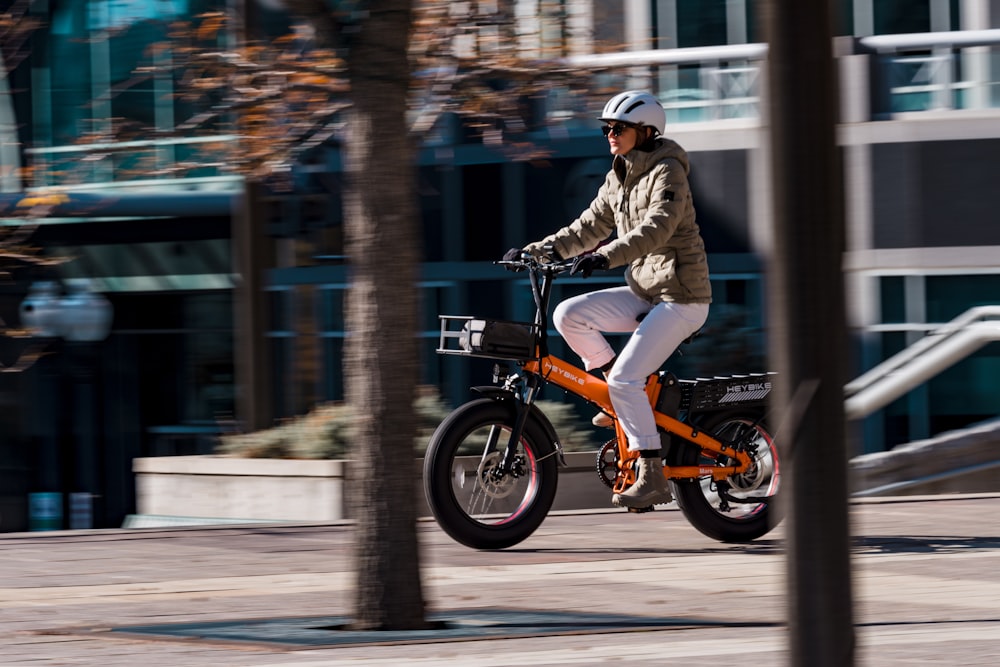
point(512, 255)
point(587, 264)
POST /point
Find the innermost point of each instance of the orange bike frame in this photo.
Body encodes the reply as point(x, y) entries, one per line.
point(595, 390)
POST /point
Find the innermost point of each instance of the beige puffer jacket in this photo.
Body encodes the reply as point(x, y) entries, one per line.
point(647, 201)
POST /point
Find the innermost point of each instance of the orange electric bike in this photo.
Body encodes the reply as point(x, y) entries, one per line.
point(491, 467)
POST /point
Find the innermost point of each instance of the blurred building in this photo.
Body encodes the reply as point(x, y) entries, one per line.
point(217, 326)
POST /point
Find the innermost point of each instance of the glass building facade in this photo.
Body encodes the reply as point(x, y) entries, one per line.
point(95, 104)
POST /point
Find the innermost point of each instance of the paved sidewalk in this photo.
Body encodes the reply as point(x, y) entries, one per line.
point(588, 588)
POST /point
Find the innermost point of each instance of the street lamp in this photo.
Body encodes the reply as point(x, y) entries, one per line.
point(77, 315)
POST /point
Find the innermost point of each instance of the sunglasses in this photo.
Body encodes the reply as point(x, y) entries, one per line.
point(615, 130)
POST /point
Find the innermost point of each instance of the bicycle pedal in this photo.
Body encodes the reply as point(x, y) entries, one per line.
point(640, 510)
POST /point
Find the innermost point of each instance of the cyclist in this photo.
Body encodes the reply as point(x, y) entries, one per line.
point(642, 218)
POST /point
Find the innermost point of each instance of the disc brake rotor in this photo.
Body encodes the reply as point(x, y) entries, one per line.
point(755, 475)
point(491, 480)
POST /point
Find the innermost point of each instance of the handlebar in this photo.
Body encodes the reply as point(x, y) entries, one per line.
point(529, 262)
point(541, 272)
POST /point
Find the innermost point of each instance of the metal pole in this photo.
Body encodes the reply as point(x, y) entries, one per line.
point(807, 331)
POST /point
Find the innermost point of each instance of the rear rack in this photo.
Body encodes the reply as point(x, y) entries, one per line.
point(491, 339)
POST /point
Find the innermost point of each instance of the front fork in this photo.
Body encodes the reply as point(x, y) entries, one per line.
point(521, 390)
point(522, 406)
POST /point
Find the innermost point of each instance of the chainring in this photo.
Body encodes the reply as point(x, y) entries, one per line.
point(607, 463)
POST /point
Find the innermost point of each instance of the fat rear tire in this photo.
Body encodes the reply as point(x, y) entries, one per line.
point(698, 498)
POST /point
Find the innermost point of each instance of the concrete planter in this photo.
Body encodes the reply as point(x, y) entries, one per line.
point(217, 489)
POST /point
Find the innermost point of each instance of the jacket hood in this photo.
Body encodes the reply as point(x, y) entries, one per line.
point(639, 161)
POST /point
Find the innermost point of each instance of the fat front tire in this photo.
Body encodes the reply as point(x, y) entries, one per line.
point(751, 509)
point(471, 497)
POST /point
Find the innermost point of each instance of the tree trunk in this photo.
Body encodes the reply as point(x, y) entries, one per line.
point(381, 360)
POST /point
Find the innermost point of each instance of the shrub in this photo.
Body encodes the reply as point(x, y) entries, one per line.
point(325, 432)
point(567, 423)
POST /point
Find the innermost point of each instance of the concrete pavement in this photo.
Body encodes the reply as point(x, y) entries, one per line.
point(589, 587)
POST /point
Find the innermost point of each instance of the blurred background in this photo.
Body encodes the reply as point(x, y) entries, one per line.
point(179, 244)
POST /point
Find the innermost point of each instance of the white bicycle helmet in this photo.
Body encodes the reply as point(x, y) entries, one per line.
point(636, 107)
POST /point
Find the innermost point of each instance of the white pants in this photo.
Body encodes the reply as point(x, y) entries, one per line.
point(581, 319)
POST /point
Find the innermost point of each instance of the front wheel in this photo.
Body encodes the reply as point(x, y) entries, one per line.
point(742, 507)
point(470, 495)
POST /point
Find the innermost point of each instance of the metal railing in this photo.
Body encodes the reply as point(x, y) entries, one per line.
point(939, 349)
point(937, 70)
point(717, 82)
point(922, 72)
point(955, 39)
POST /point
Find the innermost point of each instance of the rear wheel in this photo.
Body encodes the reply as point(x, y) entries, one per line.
point(470, 495)
point(742, 507)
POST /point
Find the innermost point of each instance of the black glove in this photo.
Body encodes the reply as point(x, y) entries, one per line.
point(512, 255)
point(587, 264)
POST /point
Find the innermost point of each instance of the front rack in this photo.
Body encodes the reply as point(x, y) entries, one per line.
point(491, 339)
